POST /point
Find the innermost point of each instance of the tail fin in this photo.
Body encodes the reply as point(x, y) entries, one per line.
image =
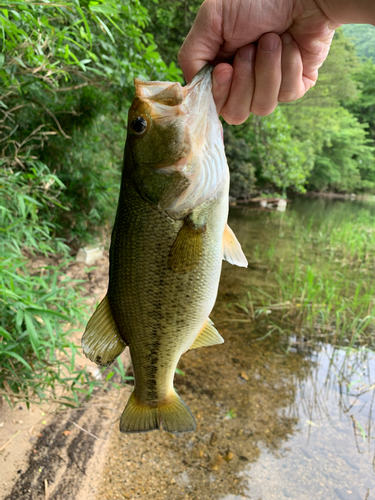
point(172, 417)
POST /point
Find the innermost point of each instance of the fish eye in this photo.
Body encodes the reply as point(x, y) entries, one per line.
point(138, 125)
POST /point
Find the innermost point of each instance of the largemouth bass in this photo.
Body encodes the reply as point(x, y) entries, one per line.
point(168, 242)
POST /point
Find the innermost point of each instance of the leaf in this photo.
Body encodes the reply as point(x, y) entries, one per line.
point(46, 313)
point(19, 358)
point(34, 339)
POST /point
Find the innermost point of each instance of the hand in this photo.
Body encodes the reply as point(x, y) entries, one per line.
point(293, 39)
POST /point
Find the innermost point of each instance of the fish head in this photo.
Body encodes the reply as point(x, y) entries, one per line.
point(174, 134)
point(157, 125)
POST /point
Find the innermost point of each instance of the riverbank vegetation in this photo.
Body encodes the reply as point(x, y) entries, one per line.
point(66, 77)
point(317, 282)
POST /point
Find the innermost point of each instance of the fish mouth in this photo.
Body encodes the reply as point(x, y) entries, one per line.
point(200, 85)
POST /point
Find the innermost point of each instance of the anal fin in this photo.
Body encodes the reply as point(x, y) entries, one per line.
point(187, 249)
point(232, 251)
point(207, 336)
point(101, 341)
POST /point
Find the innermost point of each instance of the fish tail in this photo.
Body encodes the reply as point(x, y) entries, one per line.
point(173, 416)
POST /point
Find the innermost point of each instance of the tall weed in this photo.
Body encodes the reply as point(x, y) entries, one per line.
point(37, 301)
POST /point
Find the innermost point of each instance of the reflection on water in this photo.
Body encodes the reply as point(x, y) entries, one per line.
point(276, 418)
point(331, 453)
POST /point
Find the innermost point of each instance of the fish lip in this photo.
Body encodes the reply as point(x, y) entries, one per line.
point(202, 80)
point(198, 102)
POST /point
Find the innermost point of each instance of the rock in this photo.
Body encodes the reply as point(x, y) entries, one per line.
point(213, 439)
point(217, 462)
point(89, 255)
point(229, 456)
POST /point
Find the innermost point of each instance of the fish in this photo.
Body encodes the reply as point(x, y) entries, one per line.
point(169, 239)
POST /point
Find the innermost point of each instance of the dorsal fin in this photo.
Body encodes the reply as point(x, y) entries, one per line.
point(207, 336)
point(232, 251)
point(101, 341)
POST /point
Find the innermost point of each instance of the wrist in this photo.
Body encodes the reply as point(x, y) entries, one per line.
point(348, 11)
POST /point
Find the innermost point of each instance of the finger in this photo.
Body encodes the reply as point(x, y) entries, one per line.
point(221, 83)
point(203, 42)
point(292, 85)
point(267, 75)
point(237, 107)
point(314, 48)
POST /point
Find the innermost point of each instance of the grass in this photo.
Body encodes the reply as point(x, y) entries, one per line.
point(320, 282)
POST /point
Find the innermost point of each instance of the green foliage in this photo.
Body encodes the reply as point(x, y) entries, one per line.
point(89, 166)
point(346, 161)
point(170, 22)
point(363, 37)
point(341, 151)
point(242, 171)
point(284, 161)
point(265, 147)
point(363, 106)
point(36, 297)
point(335, 83)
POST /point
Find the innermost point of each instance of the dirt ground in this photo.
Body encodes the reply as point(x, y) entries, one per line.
point(51, 453)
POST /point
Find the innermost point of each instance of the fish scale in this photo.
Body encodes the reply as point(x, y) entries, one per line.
point(175, 312)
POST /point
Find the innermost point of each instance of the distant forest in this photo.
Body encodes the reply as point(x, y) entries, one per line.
point(363, 37)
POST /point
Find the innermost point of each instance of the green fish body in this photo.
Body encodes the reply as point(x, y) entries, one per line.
point(168, 242)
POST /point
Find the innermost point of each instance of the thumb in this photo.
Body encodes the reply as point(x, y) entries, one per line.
point(204, 40)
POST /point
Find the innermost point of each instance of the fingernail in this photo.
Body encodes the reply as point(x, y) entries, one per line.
point(286, 38)
point(269, 42)
point(246, 53)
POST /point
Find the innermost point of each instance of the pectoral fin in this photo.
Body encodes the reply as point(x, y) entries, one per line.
point(187, 249)
point(207, 336)
point(101, 341)
point(232, 251)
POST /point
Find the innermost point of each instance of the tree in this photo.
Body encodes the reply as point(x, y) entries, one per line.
point(363, 105)
point(363, 37)
point(346, 160)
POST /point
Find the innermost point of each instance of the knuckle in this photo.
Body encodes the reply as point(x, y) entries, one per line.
point(234, 118)
point(287, 96)
point(263, 109)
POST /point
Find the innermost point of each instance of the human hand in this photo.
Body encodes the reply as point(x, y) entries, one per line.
point(293, 39)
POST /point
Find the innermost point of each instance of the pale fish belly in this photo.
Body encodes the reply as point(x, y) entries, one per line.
point(159, 312)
